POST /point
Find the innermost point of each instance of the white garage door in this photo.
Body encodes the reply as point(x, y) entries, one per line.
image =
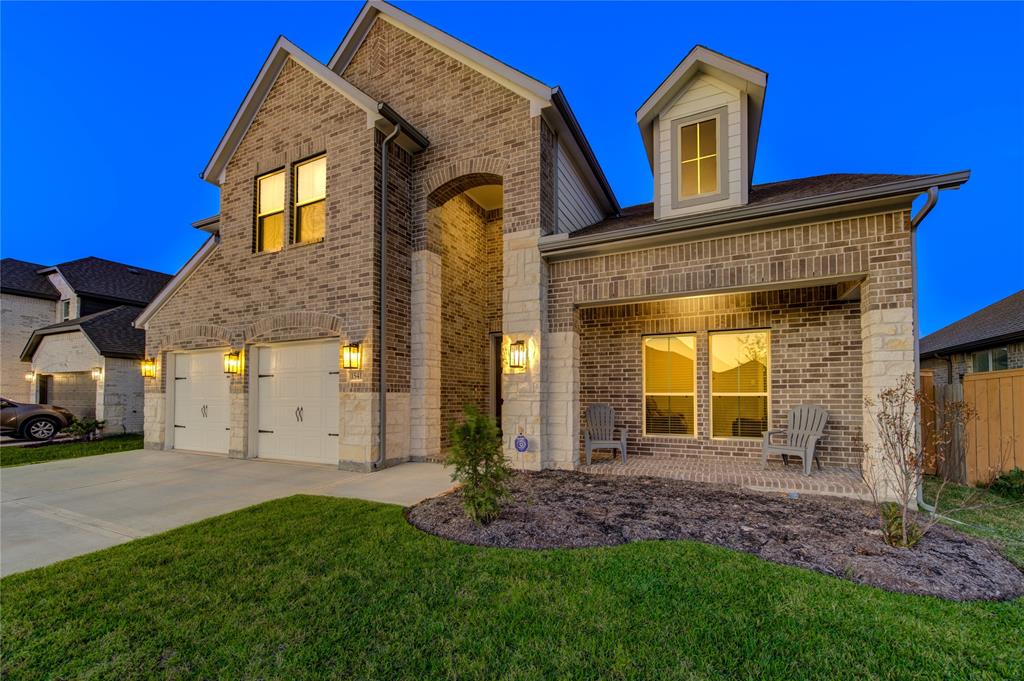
point(298, 402)
point(201, 411)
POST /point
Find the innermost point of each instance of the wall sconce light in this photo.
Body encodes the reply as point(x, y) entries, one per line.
point(30, 376)
point(351, 356)
point(517, 355)
point(148, 367)
point(233, 362)
point(96, 373)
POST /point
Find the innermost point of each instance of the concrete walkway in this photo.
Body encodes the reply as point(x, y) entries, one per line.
point(61, 509)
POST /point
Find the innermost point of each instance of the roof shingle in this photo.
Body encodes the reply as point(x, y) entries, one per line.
point(1002, 321)
point(111, 331)
point(93, 276)
point(23, 279)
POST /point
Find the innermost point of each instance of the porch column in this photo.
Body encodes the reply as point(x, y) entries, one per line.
point(888, 341)
point(425, 355)
point(523, 304)
point(562, 399)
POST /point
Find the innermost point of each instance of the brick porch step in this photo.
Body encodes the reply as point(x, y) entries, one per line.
point(843, 482)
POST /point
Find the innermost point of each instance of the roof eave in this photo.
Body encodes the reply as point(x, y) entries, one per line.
point(562, 246)
point(1011, 337)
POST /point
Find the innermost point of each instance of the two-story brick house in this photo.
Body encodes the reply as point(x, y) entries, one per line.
point(503, 272)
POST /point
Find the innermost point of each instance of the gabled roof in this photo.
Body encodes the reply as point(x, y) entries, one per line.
point(700, 59)
point(544, 99)
point(116, 281)
point(21, 278)
point(111, 332)
point(378, 114)
point(1000, 322)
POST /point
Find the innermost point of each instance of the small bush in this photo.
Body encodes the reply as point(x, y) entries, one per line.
point(84, 429)
point(1009, 484)
point(892, 527)
point(479, 465)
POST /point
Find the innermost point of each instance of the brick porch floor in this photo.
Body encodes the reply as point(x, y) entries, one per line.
point(844, 482)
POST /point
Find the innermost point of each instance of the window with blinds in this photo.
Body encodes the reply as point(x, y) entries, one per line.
point(310, 206)
point(670, 367)
point(740, 364)
point(270, 212)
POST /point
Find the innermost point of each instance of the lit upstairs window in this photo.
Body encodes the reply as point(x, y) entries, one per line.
point(310, 206)
point(698, 158)
point(270, 212)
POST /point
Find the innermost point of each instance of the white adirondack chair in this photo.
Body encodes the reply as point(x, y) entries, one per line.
point(806, 426)
point(601, 432)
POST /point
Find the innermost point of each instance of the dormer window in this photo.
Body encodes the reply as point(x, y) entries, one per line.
point(699, 158)
point(699, 155)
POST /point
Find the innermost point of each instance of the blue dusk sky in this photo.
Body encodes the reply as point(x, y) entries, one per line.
point(109, 111)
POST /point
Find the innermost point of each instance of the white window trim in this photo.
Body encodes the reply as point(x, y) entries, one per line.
point(60, 311)
point(297, 204)
point(259, 215)
point(712, 394)
point(644, 393)
point(722, 135)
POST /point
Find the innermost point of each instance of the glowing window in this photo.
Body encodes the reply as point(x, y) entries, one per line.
point(310, 206)
point(739, 383)
point(270, 212)
point(698, 158)
point(670, 365)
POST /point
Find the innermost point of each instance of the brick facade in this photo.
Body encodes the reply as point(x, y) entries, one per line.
point(19, 316)
point(815, 359)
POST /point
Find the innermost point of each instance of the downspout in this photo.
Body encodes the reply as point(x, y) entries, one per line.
point(933, 198)
point(382, 372)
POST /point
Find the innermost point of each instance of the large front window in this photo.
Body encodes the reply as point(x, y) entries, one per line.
point(310, 206)
point(669, 385)
point(270, 212)
point(698, 158)
point(739, 383)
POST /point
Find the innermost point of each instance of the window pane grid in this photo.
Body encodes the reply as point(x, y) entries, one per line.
point(698, 152)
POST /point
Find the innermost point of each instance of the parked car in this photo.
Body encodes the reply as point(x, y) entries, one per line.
point(32, 421)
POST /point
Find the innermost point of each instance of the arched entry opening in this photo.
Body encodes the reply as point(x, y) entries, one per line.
point(465, 218)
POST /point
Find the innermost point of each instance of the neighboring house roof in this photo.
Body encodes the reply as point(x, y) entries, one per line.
point(549, 101)
point(1000, 322)
point(21, 278)
point(767, 201)
point(111, 332)
point(111, 280)
point(749, 80)
point(378, 114)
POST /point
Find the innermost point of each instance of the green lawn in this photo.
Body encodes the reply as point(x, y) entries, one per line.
point(17, 456)
point(314, 587)
point(985, 515)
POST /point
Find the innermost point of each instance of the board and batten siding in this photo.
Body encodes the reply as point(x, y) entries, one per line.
point(704, 93)
point(576, 206)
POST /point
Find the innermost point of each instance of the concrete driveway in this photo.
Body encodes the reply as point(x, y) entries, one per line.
point(57, 510)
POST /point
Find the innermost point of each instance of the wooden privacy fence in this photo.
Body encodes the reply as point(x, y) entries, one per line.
point(994, 439)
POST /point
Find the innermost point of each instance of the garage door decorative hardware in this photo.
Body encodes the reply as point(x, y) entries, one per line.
point(181, 378)
point(177, 426)
point(264, 375)
point(205, 411)
point(332, 435)
point(264, 431)
point(298, 414)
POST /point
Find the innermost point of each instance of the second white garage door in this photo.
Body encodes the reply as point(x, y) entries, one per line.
point(298, 402)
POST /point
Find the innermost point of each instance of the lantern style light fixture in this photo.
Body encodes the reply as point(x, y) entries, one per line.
point(30, 376)
point(233, 362)
point(148, 367)
point(351, 356)
point(517, 355)
point(97, 372)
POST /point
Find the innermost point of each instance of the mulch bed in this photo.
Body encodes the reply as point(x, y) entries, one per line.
point(839, 537)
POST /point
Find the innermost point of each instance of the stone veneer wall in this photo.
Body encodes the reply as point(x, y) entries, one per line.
point(470, 270)
point(815, 359)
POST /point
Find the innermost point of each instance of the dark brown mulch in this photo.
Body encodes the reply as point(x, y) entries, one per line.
point(839, 537)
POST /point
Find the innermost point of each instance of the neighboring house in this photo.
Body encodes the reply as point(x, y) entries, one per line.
point(511, 278)
point(991, 339)
point(69, 339)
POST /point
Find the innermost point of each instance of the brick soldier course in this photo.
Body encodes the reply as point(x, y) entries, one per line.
point(491, 230)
